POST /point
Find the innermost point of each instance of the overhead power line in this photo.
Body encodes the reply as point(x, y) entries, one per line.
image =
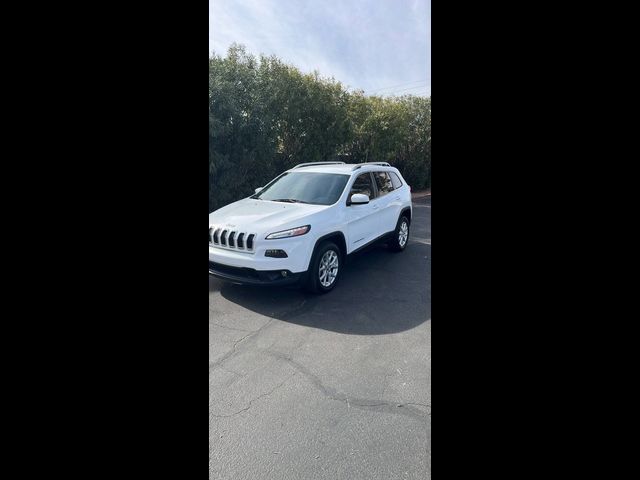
point(413, 88)
point(417, 89)
point(369, 92)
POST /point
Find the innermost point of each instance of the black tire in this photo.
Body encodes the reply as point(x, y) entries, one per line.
point(399, 242)
point(315, 282)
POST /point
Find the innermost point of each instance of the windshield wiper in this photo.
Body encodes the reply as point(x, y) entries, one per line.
point(289, 200)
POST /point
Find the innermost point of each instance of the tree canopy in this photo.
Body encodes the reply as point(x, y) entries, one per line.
point(266, 116)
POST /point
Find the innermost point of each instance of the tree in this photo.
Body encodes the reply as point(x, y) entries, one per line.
point(266, 116)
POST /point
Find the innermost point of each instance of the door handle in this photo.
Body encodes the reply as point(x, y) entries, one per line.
point(375, 207)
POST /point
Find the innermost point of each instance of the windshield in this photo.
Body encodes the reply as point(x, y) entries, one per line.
point(305, 187)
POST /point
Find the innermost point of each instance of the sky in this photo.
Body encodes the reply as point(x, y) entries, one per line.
point(380, 46)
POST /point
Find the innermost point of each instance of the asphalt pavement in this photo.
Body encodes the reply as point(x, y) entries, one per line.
point(335, 386)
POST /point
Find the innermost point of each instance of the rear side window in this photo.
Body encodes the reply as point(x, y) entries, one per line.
point(383, 181)
point(397, 183)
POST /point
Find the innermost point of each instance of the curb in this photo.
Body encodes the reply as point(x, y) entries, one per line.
point(420, 194)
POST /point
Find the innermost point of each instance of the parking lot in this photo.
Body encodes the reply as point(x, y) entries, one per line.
point(335, 386)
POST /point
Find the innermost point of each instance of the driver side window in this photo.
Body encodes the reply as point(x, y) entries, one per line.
point(362, 185)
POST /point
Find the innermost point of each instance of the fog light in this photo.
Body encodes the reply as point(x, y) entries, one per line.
point(275, 253)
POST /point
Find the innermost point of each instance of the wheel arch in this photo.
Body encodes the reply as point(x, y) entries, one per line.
point(336, 237)
point(406, 212)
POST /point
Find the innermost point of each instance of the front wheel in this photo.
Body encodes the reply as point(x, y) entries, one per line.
point(325, 268)
point(401, 235)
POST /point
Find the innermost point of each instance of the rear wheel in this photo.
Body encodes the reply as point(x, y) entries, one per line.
point(325, 268)
point(401, 235)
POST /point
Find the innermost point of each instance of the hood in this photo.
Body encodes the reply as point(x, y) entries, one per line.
point(262, 215)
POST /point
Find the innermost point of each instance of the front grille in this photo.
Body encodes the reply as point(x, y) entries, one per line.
point(231, 239)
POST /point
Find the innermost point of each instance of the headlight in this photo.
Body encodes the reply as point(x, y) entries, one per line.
point(294, 232)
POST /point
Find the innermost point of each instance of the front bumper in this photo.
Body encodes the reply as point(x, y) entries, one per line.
point(298, 255)
point(250, 276)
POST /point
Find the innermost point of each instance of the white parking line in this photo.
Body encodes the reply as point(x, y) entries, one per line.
point(425, 241)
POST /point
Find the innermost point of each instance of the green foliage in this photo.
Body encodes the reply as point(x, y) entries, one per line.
point(266, 116)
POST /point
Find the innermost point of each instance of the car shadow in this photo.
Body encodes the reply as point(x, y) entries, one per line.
point(379, 292)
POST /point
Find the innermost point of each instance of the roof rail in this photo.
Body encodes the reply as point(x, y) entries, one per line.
point(382, 164)
point(310, 164)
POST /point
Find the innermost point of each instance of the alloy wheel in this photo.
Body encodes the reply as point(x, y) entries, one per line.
point(403, 235)
point(328, 270)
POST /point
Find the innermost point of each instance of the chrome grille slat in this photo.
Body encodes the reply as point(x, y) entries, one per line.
point(232, 239)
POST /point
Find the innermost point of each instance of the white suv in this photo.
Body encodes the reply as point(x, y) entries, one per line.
point(301, 226)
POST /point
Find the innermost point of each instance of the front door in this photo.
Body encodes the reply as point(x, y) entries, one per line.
point(363, 220)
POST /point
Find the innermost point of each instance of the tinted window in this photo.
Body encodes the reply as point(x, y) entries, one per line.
point(383, 180)
point(305, 187)
point(362, 185)
point(397, 183)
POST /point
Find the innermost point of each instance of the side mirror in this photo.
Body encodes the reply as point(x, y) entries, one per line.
point(259, 189)
point(359, 199)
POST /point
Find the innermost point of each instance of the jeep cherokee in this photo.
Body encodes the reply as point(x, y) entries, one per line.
point(301, 226)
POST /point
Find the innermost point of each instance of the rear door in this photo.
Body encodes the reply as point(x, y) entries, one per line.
point(389, 206)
